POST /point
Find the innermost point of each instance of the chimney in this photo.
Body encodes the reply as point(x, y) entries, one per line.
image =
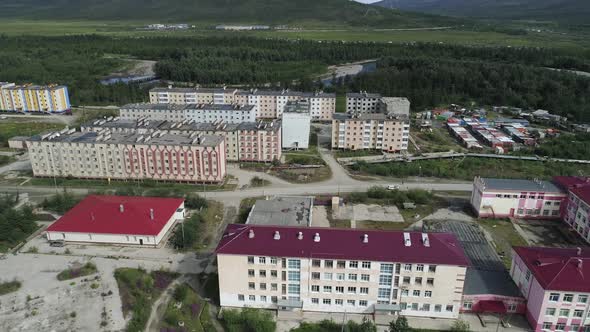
point(580, 263)
point(407, 240)
point(251, 234)
point(366, 238)
point(300, 235)
point(277, 235)
point(316, 237)
point(121, 208)
point(425, 240)
point(579, 251)
point(152, 214)
point(92, 216)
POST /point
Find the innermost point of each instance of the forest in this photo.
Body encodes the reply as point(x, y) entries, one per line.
point(429, 74)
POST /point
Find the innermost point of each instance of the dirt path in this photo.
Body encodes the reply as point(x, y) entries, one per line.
point(159, 307)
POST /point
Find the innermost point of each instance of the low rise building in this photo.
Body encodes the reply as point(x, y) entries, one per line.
point(199, 112)
point(282, 211)
point(576, 209)
point(33, 98)
point(554, 282)
point(140, 221)
point(377, 131)
point(341, 270)
point(296, 125)
point(528, 199)
point(118, 156)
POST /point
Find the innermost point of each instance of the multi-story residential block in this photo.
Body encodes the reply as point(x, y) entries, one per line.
point(378, 131)
point(576, 209)
point(272, 103)
point(164, 157)
point(172, 95)
point(227, 113)
point(296, 125)
point(32, 98)
point(364, 102)
point(530, 199)
point(337, 270)
point(555, 283)
point(236, 148)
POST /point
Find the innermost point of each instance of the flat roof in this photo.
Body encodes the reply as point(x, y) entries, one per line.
point(369, 116)
point(186, 125)
point(129, 138)
point(362, 95)
point(282, 211)
point(519, 185)
point(104, 215)
point(381, 246)
point(481, 282)
point(193, 90)
point(287, 92)
point(180, 107)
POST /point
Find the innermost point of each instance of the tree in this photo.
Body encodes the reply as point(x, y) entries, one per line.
point(399, 325)
point(460, 326)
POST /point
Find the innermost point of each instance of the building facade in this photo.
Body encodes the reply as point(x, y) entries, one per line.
point(554, 282)
point(375, 131)
point(575, 211)
point(172, 95)
point(32, 98)
point(139, 221)
point(528, 199)
point(363, 102)
point(335, 270)
point(162, 157)
point(228, 113)
point(265, 135)
point(296, 127)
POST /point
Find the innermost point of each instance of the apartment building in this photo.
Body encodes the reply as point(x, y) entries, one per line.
point(33, 98)
point(170, 95)
point(338, 270)
point(377, 131)
point(576, 209)
point(364, 102)
point(164, 157)
point(263, 140)
point(555, 283)
point(228, 113)
point(296, 123)
point(528, 199)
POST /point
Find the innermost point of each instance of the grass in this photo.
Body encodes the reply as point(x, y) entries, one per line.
point(245, 207)
point(85, 115)
point(73, 272)
point(259, 182)
point(9, 287)
point(504, 236)
point(15, 128)
point(356, 153)
point(212, 217)
point(307, 175)
point(139, 290)
point(193, 311)
point(6, 160)
point(382, 225)
point(436, 141)
point(341, 103)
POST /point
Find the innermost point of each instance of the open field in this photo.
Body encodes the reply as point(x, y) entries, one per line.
point(10, 129)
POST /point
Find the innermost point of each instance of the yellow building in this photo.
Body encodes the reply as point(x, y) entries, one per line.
point(32, 98)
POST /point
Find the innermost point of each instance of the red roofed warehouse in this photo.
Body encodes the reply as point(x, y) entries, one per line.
point(337, 270)
point(118, 220)
point(556, 284)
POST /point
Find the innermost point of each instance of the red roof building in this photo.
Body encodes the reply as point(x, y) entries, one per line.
point(576, 210)
point(118, 219)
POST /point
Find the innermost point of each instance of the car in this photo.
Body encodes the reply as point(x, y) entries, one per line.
point(393, 187)
point(57, 243)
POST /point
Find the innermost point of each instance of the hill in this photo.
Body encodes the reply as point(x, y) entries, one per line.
point(554, 10)
point(335, 12)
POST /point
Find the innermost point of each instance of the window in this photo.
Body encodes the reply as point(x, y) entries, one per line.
point(582, 298)
point(251, 273)
point(353, 277)
point(366, 265)
point(405, 292)
point(273, 287)
point(340, 289)
point(327, 289)
point(467, 305)
point(294, 264)
point(384, 293)
point(252, 297)
point(528, 275)
point(339, 276)
point(316, 263)
point(416, 292)
point(327, 301)
point(273, 273)
point(438, 308)
point(240, 297)
point(449, 308)
point(294, 289)
point(315, 288)
point(262, 260)
point(408, 267)
point(554, 297)
point(315, 301)
point(568, 297)
point(262, 273)
point(425, 307)
point(564, 313)
point(579, 313)
point(339, 302)
point(363, 303)
point(329, 264)
point(550, 312)
point(341, 264)
point(364, 290)
point(420, 267)
point(352, 290)
point(386, 268)
point(547, 325)
point(250, 259)
point(559, 326)
point(414, 306)
point(365, 277)
point(273, 260)
point(315, 276)
point(251, 285)
point(353, 264)
point(350, 302)
point(574, 327)
point(432, 268)
point(294, 276)
point(385, 280)
point(418, 281)
point(427, 293)
point(327, 276)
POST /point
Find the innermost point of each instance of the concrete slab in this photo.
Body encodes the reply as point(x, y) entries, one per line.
point(372, 212)
point(320, 217)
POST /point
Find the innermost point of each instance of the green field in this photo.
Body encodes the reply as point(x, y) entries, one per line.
point(10, 129)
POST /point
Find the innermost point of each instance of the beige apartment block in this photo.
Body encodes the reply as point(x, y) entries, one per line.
point(170, 95)
point(159, 156)
point(337, 270)
point(375, 131)
point(208, 113)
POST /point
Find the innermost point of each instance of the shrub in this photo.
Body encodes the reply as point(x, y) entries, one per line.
point(192, 201)
point(180, 293)
point(249, 320)
point(460, 326)
point(11, 286)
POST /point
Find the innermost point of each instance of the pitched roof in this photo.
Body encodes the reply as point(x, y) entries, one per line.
point(579, 186)
point(102, 215)
point(559, 269)
point(384, 246)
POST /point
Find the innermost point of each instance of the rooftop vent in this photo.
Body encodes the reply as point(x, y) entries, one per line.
point(366, 238)
point(580, 263)
point(579, 251)
point(407, 240)
point(277, 235)
point(251, 234)
point(121, 208)
point(425, 240)
point(316, 237)
point(152, 214)
point(300, 236)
